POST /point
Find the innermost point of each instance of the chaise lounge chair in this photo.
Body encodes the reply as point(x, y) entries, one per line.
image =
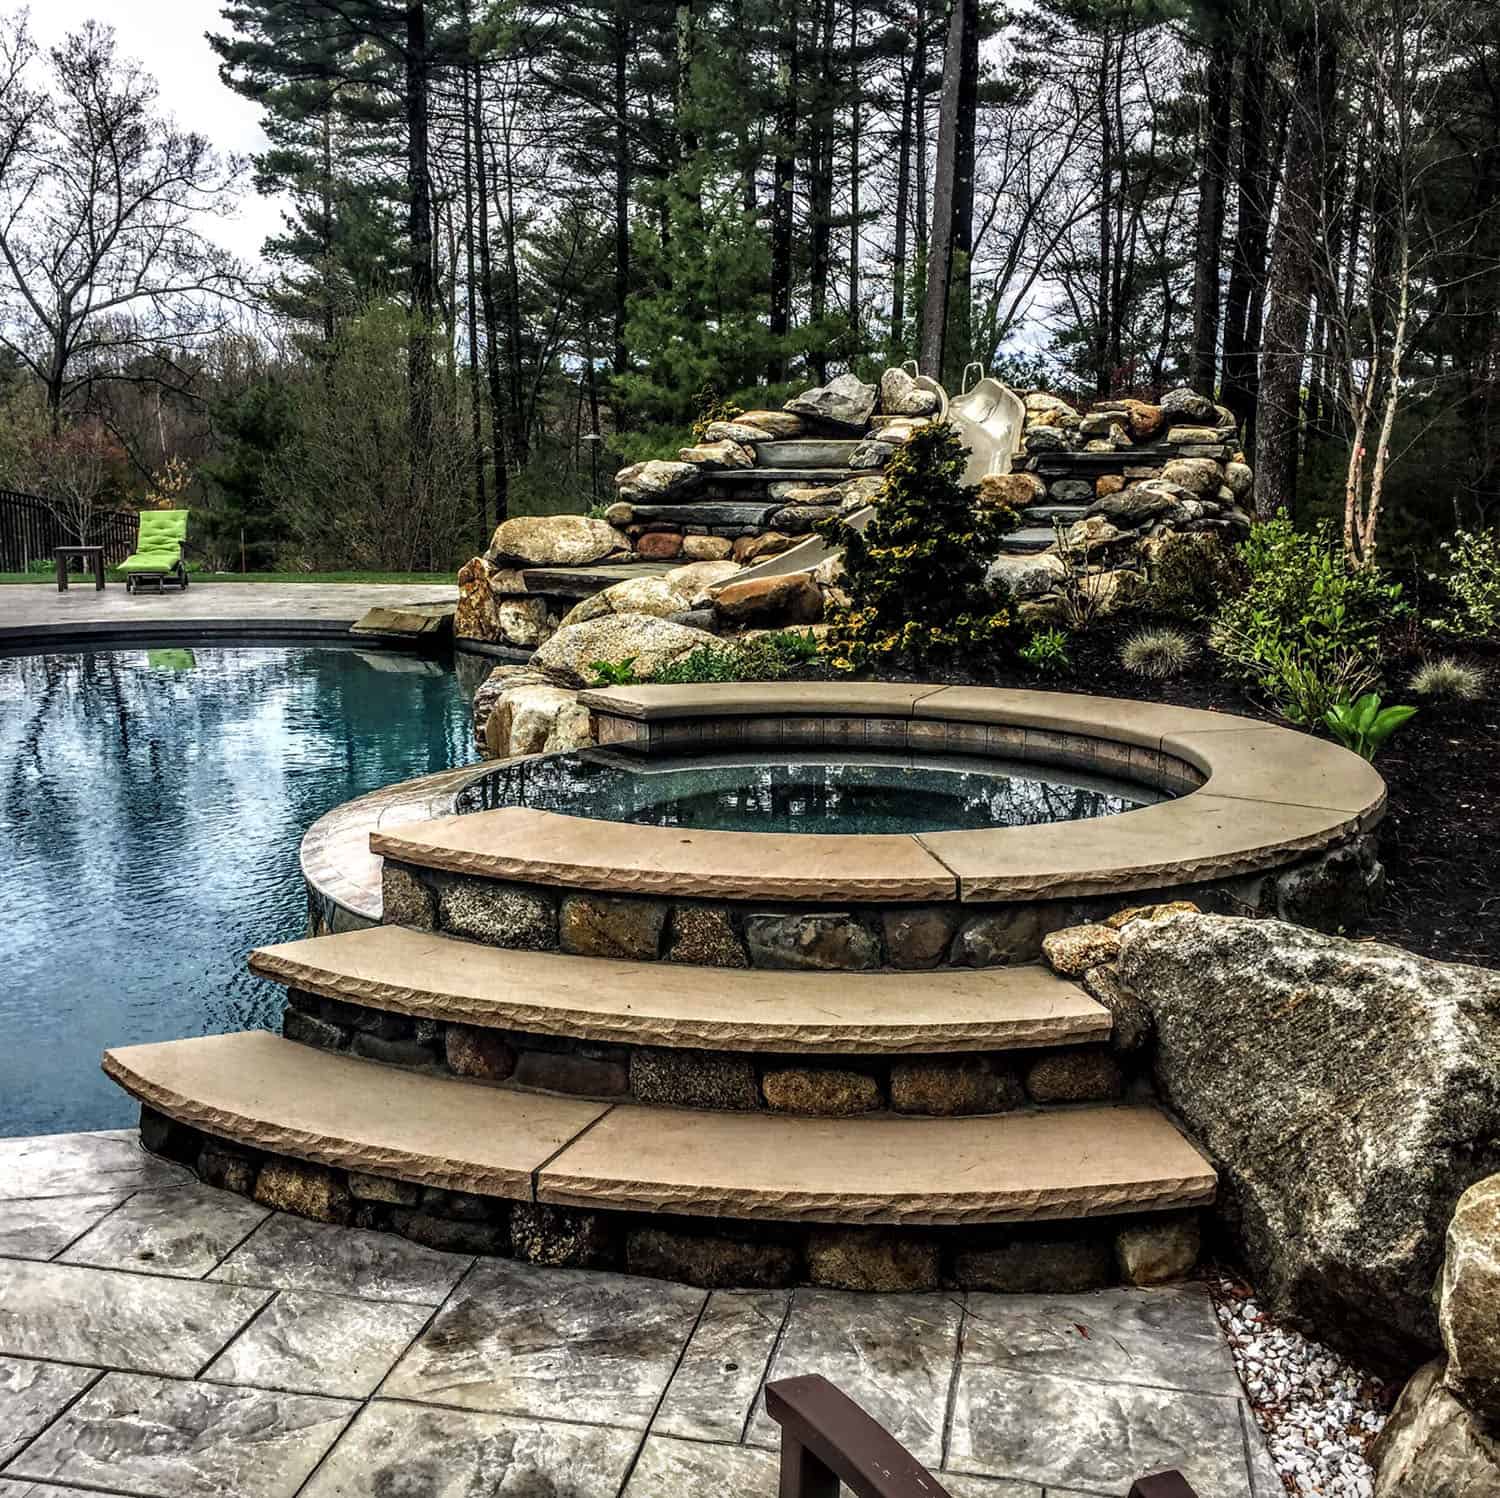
point(158, 551)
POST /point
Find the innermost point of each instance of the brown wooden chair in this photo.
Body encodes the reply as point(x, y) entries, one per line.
point(826, 1439)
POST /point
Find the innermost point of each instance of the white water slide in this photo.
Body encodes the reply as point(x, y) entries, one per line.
point(990, 419)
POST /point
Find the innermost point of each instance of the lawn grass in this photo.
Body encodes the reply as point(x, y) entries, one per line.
point(49, 578)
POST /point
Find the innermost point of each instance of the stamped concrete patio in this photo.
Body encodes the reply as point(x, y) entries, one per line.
point(28, 609)
point(161, 1338)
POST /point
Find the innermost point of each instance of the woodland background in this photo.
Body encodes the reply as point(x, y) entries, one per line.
point(529, 243)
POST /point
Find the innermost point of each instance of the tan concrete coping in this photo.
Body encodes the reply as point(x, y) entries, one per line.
point(335, 853)
point(544, 847)
point(742, 698)
point(1268, 795)
point(257, 1089)
point(432, 976)
point(1008, 1167)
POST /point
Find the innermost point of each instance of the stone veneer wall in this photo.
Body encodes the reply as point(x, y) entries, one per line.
point(714, 1253)
point(944, 1085)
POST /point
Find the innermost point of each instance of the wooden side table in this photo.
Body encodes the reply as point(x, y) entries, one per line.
point(93, 556)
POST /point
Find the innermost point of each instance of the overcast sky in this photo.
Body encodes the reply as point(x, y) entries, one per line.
point(167, 36)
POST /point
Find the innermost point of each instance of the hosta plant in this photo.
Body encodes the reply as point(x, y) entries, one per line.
point(1365, 725)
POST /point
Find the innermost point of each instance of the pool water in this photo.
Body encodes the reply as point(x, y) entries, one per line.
point(150, 815)
point(804, 792)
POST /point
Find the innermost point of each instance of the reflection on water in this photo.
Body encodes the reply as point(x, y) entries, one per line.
point(151, 805)
point(805, 792)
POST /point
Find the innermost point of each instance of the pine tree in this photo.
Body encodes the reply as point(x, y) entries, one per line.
point(916, 575)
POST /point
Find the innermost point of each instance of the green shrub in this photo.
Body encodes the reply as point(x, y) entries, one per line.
point(916, 576)
point(768, 657)
point(1301, 597)
point(615, 673)
point(1471, 605)
point(1364, 726)
point(1447, 677)
point(711, 409)
point(1158, 651)
point(1194, 575)
point(1047, 651)
point(1301, 689)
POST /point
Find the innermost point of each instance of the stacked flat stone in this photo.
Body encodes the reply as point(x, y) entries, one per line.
point(1120, 478)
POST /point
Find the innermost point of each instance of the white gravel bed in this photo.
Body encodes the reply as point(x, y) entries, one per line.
point(1320, 1413)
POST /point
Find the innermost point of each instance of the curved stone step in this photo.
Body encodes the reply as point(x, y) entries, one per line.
point(431, 976)
point(255, 1090)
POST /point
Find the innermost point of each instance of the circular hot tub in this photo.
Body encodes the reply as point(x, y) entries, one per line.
point(811, 792)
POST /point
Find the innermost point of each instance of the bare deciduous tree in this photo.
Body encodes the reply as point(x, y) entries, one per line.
point(103, 202)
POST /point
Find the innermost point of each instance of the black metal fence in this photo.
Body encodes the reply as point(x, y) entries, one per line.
point(30, 528)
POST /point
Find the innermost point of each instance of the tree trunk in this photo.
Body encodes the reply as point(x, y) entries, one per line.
point(1105, 279)
point(469, 80)
point(520, 444)
point(500, 465)
point(783, 198)
point(1253, 190)
point(958, 342)
point(854, 128)
point(1289, 284)
point(940, 254)
point(899, 271)
point(621, 59)
point(1213, 178)
point(820, 191)
point(419, 230)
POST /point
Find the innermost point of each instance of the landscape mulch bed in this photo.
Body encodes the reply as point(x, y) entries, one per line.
point(1440, 840)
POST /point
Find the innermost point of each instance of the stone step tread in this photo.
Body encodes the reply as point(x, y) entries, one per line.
point(1029, 538)
point(750, 477)
point(1046, 514)
point(805, 452)
point(257, 1090)
point(431, 976)
point(707, 512)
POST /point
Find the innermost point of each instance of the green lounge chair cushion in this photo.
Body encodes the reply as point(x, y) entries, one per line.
point(158, 544)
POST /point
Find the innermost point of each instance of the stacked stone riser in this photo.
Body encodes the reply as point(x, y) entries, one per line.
point(847, 937)
point(1031, 1257)
point(822, 1086)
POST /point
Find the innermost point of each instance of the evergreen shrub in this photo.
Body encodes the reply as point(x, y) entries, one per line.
point(915, 577)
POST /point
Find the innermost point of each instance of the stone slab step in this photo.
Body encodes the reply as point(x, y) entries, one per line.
point(816, 452)
point(584, 582)
point(431, 976)
point(743, 482)
point(275, 1095)
point(724, 512)
point(1029, 538)
point(1005, 1167)
point(257, 1089)
point(1045, 514)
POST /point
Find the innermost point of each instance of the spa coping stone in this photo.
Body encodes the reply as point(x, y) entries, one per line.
point(1251, 796)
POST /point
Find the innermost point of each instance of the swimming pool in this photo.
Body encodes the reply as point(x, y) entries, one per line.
point(150, 815)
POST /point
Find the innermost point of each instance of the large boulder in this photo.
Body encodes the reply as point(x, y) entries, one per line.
point(723, 454)
point(555, 541)
point(1184, 404)
point(475, 617)
point(496, 684)
point(536, 719)
point(1431, 1446)
point(846, 402)
point(1199, 476)
point(671, 593)
point(1348, 1093)
point(1026, 574)
point(779, 425)
point(793, 598)
point(651, 643)
point(900, 395)
point(656, 480)
point(1469, 1302)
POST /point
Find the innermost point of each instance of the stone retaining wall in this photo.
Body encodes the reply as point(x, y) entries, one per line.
point(715, 1253)
point(935, 1086)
